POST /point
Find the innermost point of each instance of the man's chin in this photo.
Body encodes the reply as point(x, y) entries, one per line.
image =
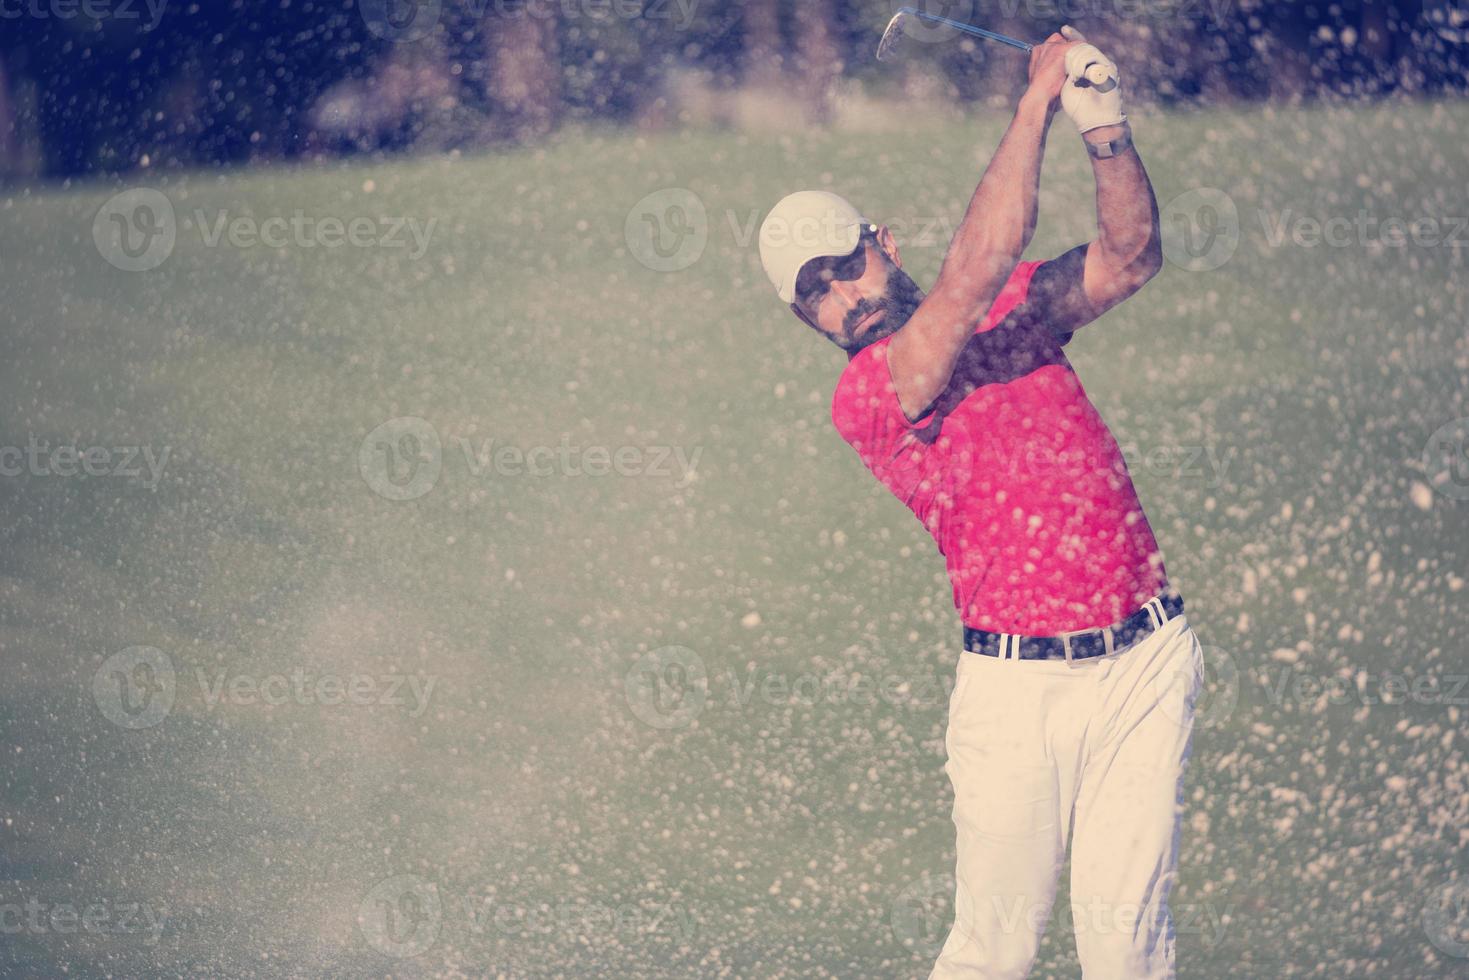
point(881, 326)
point(881, 323)
point(867, 338)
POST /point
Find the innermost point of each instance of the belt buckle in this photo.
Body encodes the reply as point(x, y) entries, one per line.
point(1066, 643)
point(1108, 642)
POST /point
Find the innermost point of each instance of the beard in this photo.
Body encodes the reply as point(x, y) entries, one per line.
point(897, 305)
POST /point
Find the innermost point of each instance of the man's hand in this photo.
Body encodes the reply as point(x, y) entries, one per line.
point(1092, 93)
point(1048, 68)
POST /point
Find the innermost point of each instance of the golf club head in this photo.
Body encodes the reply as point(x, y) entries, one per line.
point(891, 36)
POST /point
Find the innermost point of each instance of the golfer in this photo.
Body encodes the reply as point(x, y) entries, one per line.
point(1072, 707)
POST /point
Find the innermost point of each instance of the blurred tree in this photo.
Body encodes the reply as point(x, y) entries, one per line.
point(762, 55)
point(525, 70)
point(818, 59)
point(232, 81)
point(8, 129)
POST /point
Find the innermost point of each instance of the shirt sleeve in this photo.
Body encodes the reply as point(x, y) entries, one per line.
point(1016, 291)
point(1012, 294)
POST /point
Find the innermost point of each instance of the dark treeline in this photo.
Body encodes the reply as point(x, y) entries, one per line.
point(98, 86)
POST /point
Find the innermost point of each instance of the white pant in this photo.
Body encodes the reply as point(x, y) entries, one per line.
point(1040, 751)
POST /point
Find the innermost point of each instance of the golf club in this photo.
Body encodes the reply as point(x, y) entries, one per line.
point(894, 31)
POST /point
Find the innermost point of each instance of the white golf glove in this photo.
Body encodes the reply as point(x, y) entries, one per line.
point(1092, 95)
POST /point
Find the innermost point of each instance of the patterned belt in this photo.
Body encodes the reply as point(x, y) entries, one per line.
point(1099, 641)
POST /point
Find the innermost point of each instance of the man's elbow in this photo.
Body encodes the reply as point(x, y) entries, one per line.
point(1151, 260)
point(1143, 266)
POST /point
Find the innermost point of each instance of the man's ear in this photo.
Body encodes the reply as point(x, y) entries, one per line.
point(804, 318)
point(889, 245)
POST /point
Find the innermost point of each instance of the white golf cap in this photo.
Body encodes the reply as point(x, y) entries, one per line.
point(806, 225)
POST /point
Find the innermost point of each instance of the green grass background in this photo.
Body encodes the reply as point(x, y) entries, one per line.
point(773, 838)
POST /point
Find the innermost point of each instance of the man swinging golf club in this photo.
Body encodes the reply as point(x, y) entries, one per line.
point(1071, 712)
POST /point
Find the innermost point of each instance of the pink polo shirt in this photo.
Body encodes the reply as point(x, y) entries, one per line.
point(1015, 475)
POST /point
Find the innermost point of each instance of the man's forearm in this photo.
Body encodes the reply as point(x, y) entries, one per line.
point(1001, 216)
point(1128, 244)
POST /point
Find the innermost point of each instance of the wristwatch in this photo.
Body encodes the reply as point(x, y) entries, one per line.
point(1109, 149)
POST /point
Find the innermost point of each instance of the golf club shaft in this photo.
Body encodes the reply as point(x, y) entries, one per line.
point(970, 29)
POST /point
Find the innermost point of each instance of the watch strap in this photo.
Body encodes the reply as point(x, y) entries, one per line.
point(1110, 148)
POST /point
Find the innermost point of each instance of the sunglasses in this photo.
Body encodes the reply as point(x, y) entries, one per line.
point(816, 276)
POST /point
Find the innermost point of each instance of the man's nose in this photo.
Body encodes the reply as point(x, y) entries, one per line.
point(847, 292)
